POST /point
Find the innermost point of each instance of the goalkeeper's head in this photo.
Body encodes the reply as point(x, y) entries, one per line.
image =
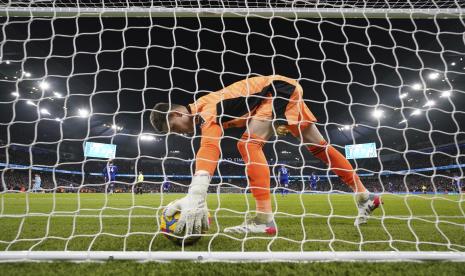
point(175, 118)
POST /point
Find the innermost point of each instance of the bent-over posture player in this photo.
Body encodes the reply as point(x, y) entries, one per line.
point(266, 106)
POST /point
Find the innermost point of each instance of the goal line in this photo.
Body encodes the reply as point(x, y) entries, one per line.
point(282, 256)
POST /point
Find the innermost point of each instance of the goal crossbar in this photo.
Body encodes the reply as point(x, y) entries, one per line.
point(233, 12)
point(10, 256)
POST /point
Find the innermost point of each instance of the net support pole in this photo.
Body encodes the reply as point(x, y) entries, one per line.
point(12, 256)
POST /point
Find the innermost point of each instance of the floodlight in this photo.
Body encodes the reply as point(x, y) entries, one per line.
point(44, 111)
point(377, 113)
point(433, 76)
point(417, 86)
point(83, 112)
point(429, 103)
point(446, 94)
point(44, 85)
point(416, 112)
point(146, 137)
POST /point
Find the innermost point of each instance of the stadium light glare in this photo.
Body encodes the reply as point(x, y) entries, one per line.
point(417, 86)
point(377, 113)
point(29, 102)
point(146, 137)
point(114, 126)
point(57, 94)
point(83, 112)
point(416, 112)
point(44, 111)
point(16, 94)
point(433, 76)
point(57, 119)
point(7, 62)
point(429, 103)
point(445, 94)
point(403, 121)
point(44, 85)
point(27, 74)
point(403, 95)
point(346, 127)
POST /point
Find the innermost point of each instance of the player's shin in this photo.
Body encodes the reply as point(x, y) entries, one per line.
point(340, 166)
point(258, 175)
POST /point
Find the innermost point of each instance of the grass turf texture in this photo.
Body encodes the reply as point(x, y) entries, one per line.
point(305, 222)
point(177, 268)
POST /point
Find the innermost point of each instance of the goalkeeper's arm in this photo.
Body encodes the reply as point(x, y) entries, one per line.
point(193, 207)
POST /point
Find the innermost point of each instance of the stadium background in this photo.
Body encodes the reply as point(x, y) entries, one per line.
point(117, 69)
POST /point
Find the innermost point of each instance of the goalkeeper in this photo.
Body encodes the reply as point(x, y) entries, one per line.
point(266, 106)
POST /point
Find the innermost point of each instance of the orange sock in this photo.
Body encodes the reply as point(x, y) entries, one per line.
point(250, 147)
point(338, 164)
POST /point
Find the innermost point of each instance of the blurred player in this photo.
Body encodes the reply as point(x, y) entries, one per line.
point(109, 172)
point(37, 183)
point(390, 187)
point(140, 180)
point(423, 189)
point(283, 175)
point(166, 184)
point(313, 181)
point(266, 106)
point(457, 183)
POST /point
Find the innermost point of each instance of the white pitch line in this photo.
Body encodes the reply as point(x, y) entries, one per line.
point(221, 216)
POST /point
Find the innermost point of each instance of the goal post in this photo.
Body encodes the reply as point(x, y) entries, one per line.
point(358, 73)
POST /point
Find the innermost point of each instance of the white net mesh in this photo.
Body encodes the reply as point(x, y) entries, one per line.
point(70, 75)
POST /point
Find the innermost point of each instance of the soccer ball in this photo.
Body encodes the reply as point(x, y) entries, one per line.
point(168, 224)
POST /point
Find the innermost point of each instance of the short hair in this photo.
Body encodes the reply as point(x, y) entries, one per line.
point(159, 116)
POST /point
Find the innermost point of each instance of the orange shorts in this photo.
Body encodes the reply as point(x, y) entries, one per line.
point(298, 115)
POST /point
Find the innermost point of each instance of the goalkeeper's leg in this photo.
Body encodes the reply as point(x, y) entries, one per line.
point(366, 201)
point(250, 146)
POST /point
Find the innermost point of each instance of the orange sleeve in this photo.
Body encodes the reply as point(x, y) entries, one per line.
point(209, 152)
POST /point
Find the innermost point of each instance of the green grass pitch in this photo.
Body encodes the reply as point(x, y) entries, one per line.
point(305, 222)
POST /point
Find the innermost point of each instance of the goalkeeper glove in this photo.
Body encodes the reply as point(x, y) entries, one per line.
point(281, 130)
point(193, 207)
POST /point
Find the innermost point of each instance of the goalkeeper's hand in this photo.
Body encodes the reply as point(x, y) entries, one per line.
point(281, 130)
point(193, 207)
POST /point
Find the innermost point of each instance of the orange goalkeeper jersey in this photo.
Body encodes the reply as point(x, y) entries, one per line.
point(275, 98)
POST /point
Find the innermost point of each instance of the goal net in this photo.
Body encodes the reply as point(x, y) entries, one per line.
point(79, 79)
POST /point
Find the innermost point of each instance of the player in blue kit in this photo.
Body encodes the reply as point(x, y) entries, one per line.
point(283, 175)
point(166, 184)
point(109, 172)
point(313, 181)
